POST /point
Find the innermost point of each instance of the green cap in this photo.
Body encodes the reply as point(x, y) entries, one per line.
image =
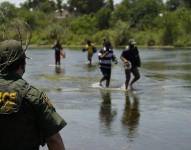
point(10, 51)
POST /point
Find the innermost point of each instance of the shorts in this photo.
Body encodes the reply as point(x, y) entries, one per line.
point(90, 56)
point(106, 72)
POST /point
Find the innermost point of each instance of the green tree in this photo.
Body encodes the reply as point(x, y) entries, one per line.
point(85, 6)
point(173, 4)
point(34, 4)
point(28, 17)
point(120, 13)
point(103, 18)
point(185, 19)
point(59, 6)
point(142, 12)
point(7, 10)
point(55, 31)
point(110, 4)
point(171, 28)
point(43, 5)
point(129, 3)
point(123, 34)
point(85, 24)
point(187, 3)
point(47, 6)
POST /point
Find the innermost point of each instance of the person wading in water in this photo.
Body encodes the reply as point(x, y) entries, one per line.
point(131, 59)
point(106, 56)
point(91, 49)
point(58, 52)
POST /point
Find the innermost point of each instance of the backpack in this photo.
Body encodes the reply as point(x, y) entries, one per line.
point(94, 49)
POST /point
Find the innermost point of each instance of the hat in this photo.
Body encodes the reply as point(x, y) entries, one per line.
point(11, 51)
point(132, 42)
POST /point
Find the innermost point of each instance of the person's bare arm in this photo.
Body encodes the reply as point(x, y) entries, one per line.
point(104, 54)
point(55, 142)
point(123, 59)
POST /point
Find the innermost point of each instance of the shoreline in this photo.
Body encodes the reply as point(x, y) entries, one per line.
point(33, 46)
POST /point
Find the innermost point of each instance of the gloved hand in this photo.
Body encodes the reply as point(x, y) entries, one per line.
point(84, 49)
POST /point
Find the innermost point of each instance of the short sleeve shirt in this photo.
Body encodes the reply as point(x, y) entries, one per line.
point(34, 122)
point(57, 47)
point(49, 121)
point(131, 55)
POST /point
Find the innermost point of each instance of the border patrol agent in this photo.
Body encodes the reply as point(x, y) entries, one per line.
point(27, 118)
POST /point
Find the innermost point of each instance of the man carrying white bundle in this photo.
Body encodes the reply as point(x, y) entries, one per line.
point(131, 59)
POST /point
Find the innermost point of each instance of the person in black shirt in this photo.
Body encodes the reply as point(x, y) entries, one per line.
point(58, 52)
point(131, 59)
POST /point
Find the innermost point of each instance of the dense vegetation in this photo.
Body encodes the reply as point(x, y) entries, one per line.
point(149, 22)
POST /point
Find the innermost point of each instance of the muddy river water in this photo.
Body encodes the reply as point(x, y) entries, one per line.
point(156, 116)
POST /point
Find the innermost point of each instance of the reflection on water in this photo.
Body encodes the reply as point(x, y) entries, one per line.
point(168, 64)
point(89, 67)
point(106, 113)
point(59, 70)
point(131, 114)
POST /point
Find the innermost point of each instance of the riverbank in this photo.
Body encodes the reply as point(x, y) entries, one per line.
point(33, 46)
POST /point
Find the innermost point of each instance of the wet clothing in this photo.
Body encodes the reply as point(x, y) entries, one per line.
point(90, 49)
point(90, 52)
point(134, 71)
point(132, 55)
point(105, 61)
point(106, 73)
point(27, 117)
point(57, 48)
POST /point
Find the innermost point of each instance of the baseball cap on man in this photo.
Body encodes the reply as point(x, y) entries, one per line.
point(10, 51)
point(132, 42)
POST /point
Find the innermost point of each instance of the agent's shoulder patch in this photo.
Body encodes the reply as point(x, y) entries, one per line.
point(10, 100)
point(46, 100)
point(36, 97)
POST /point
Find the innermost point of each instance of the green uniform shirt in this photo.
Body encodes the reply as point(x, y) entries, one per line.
point(27, 117)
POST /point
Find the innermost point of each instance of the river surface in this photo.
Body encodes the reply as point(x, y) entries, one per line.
point(155, 116)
